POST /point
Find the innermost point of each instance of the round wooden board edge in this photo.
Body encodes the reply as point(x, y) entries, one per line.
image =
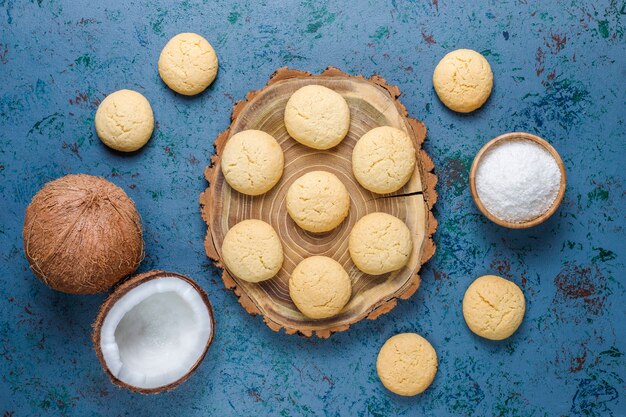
point(429, 181)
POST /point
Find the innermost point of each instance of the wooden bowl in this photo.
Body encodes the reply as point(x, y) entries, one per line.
point(517, 136)
point(372, 103)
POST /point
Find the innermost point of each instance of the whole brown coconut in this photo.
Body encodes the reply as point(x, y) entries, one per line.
point(82, 234)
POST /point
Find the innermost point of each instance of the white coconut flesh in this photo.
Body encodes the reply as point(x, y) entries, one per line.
point(155, 333)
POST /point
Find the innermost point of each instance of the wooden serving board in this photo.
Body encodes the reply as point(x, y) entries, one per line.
point(372, 103)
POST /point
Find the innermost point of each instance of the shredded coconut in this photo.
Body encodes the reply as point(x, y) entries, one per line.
point(518, 180)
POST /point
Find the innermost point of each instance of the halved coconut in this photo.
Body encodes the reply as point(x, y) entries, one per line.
point(153, 331)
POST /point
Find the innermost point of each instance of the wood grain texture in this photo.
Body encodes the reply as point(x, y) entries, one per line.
point(372, 103)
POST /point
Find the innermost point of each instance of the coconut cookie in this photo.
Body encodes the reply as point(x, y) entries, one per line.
point(124, 120)
point(383, 159)
point(320, 287)
point(493, 307)
point(252, 162)
point(188, 64)
point(407, 364)
point(318, 201)
point(380, 243)
point(317, 117)
point(463, 80)
point(252, 251)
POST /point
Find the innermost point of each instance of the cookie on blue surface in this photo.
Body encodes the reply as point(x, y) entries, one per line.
point(463, 80)
point(188, 64)
point(124, 120)
point(493, 307)
point(407, 364)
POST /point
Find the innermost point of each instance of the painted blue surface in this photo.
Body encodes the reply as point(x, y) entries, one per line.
point(560, 72)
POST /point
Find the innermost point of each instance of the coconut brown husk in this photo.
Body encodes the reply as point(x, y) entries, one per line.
point(82, 234)
point(116, 295)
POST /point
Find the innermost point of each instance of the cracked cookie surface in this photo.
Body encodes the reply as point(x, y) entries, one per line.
point(188, 64)
point(318, 201)
point(317, 116)
point(383, 159)
point(380, 243)
point(124, 120)
point(463, 80)
point(493, 307)
point(407, 364)
point(320, 287)
point(252, 162)
point(252, 251)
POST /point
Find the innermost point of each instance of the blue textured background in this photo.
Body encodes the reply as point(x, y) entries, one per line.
point(560, 72)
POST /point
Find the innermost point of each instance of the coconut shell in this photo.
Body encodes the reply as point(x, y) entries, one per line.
point(82, 234)
point(115, 296)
